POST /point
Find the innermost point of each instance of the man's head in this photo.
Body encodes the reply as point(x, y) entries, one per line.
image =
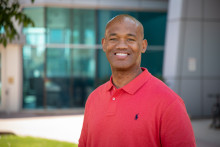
point(122, 17)
point(124, 43)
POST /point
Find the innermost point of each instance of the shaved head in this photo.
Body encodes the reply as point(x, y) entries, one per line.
point(124, 17)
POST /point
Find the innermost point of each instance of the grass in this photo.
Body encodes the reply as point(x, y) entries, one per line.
point(18, 141)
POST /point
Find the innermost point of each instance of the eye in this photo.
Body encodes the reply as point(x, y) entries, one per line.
point(113, 39)
point(131, 39)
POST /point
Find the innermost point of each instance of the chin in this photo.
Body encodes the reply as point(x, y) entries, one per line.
point(121, 67)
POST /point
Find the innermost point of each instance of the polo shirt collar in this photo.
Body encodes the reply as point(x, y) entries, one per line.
point(135, 84)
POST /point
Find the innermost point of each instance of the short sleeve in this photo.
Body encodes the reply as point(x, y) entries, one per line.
point(84, 131)
point(176, 128)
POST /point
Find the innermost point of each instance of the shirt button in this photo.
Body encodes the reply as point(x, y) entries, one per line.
point(113, 99)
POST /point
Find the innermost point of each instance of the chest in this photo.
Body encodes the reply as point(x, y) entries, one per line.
point(122, 117)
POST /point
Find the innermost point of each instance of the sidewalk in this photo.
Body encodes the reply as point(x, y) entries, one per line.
point(62, 128)
point(68, 128)
point(206, 136)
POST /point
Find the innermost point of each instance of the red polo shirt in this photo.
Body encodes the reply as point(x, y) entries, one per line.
point(143, 113)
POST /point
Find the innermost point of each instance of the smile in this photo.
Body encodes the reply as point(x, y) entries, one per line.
point(121, 54)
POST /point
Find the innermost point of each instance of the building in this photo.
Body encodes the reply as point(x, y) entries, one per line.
point(59, 61)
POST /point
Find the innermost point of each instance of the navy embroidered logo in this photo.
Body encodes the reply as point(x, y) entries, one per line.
point(136, 116)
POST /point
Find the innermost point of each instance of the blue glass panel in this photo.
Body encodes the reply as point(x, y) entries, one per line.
point(58, 25)
point(58, 62)
point(154, 26)
point(153, 61)
point(55, 35)
point(84, 26)
point(34, 36)
point(33, 71)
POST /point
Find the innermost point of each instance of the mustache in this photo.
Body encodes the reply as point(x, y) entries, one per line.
point(125, 51)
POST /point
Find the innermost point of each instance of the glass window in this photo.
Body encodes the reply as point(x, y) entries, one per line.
point(58, 25)
point(154, 26)
point(33, 72)
point(58, 92)
point(103, 18)
point(84, 26)
point(60, 67)
point(83, 63)
point(153, 61)
point(35, 35)
point(37, 15)
point(58, 17)
point(58, 62)
point(83, 59)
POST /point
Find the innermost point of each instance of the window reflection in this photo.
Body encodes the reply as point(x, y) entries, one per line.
point(57, 62)
point(61, 64)
point(83, 63)
point(84, 28)
point(33, 72)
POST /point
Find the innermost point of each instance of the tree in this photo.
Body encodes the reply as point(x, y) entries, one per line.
point(9, 10)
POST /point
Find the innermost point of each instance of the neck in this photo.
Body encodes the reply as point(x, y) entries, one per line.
point(122, 77)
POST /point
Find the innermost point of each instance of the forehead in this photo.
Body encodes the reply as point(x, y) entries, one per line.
point(125, 26)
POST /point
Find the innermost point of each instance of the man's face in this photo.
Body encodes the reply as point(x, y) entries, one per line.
point(123, 44)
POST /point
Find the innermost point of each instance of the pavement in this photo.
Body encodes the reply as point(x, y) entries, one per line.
point(204, 134)
point(68, 127)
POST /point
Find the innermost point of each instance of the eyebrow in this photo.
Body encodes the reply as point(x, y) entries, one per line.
point(131, 35)
point(114, 34)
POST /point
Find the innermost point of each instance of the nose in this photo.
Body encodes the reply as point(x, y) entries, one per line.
point(122, 44)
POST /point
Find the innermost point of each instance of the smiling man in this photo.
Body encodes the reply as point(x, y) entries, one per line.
point(133, 109)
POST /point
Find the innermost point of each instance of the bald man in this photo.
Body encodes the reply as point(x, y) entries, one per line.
point(133, 109)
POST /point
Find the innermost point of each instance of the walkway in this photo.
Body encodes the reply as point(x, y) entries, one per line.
point(68, 128)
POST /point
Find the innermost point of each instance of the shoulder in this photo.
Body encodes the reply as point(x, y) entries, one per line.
point(97, 92)
point(162, 92)
point(170, 102)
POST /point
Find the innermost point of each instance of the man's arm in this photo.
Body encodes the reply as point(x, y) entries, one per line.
point(83, 136)
point(176, 128)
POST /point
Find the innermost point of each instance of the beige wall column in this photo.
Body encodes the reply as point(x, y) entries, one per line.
point(11, 78)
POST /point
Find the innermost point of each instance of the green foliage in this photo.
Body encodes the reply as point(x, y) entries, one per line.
point(17, 141)
point(10, 9)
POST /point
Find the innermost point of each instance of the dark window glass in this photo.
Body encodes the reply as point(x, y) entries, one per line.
point(33, 81)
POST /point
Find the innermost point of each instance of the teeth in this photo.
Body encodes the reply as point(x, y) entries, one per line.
point(121, 54)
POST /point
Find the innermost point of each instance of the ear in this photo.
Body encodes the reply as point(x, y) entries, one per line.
point(103, 44)
point(144, 46)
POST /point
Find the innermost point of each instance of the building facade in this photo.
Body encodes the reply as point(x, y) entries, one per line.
point(191, 60)
point(60, 60)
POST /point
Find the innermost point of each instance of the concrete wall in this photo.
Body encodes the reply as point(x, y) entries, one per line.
point(191, 62)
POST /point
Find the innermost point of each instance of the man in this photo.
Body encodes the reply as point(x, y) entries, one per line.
point(133, 109)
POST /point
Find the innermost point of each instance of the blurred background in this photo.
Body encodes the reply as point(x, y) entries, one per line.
point(59, 61)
